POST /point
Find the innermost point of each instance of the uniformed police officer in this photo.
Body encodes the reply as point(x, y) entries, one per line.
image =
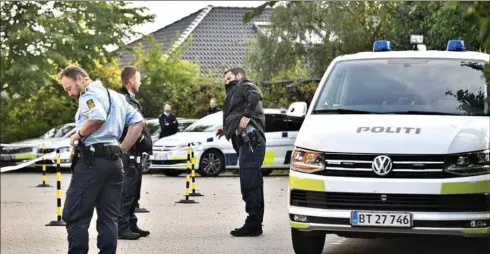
point(244, 124)
point(132, 163)
point(97, 174)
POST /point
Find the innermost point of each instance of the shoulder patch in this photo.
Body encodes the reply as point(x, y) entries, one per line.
point(90, 103)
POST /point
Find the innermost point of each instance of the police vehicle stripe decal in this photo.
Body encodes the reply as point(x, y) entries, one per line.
point(466, 187)
point(287, 159)
point(231, 159)
point(306, 184)
point(269, 157)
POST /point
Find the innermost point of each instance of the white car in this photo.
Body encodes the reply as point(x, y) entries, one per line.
point(394, 143)
point(214, 155)
point(154, 126)
point(30, 149)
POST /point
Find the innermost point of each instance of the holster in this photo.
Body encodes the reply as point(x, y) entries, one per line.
point(74, 158)
point(89, 153)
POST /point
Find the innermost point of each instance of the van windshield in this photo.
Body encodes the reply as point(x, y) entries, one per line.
point(405, 86)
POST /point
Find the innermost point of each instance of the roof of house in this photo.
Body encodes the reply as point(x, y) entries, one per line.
point(219, 37)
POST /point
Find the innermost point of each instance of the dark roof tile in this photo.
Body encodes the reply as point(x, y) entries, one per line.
point(218, 41)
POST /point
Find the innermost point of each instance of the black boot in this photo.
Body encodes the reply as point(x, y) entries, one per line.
point(247, 230)
point(140, 231)
point(127, 235)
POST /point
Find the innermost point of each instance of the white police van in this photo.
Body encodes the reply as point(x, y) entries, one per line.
point(395, 143)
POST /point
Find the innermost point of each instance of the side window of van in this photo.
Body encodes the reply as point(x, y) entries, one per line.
point(279, 123)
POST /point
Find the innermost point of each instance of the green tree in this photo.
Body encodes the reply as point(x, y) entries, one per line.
point(38, 39)
point(350, 27)
point(168, 79)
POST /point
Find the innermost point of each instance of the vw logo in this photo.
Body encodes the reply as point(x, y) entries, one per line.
point(384, 198)
point(382, 165)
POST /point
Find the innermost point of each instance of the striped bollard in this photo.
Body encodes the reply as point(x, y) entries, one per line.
point(186, 200)
point(58, 221)
point(193, 175)
point(43, 177)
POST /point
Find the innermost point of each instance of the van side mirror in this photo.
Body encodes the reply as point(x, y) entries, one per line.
point(297, 110)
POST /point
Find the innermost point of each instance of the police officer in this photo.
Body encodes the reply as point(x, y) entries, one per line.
point(244, 125)
point(132, 162)
point(97, 174)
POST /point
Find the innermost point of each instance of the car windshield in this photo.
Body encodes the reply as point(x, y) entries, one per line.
point(207, 124)
point(405, 86)
point(58, 131)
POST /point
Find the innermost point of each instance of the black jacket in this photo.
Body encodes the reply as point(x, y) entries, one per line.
point(209, 111)
point(243, 99)
point(168, 125)
point(144, 143)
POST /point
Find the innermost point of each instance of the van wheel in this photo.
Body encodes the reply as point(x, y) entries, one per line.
point(304, 243)
point(212, 163)
point(266, 172)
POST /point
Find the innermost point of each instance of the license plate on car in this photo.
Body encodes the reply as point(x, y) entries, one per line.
point(381, 219)
point(161, 156)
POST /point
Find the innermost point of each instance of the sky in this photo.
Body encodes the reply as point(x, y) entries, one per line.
point(168, 12)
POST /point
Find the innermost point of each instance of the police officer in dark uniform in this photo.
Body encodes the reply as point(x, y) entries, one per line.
point(132, 162)
point(96, 180)
point(244, 125)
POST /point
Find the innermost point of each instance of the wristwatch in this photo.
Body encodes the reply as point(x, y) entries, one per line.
point(80, 134)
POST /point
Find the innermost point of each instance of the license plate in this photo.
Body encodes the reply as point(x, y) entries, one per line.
point(381, 219)
point(161, 156)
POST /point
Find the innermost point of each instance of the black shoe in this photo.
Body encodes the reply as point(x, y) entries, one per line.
point(128, 235)
point(247, 230)
point(140, 231)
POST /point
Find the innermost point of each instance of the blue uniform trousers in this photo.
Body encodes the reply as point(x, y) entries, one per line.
point(97, 186)
point(251, 181)
point(130, 194)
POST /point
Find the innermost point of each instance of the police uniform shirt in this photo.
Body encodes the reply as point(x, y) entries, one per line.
point(93, 104)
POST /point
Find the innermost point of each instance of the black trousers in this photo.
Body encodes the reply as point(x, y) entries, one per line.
point(97, 186)
point(252, 182)
point(131, 192)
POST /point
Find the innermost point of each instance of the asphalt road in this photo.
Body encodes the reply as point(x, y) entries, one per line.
point(184, 228)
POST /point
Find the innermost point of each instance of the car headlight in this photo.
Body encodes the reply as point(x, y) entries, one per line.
point(469, 164)
point(307, 161)
point(193, 145)
point(64, 149)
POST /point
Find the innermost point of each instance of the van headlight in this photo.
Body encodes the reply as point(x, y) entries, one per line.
point(469, 164)
point(307, 161)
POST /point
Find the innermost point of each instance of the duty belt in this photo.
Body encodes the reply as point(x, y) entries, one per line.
point(100, 150)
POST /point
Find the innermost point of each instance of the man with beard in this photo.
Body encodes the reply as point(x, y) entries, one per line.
point(244, 125)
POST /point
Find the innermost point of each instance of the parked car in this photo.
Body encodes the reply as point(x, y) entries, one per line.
point(154, 126)
point(22, 151)
point(213, 155)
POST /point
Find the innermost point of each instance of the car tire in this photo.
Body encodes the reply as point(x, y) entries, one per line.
point(306, 242)
point(146, 165)
point(266, 172)
point(212, 163)
point(172, 173)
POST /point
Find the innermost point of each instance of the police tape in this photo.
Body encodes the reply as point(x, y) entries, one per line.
point(27, 145)
point(27, 163)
